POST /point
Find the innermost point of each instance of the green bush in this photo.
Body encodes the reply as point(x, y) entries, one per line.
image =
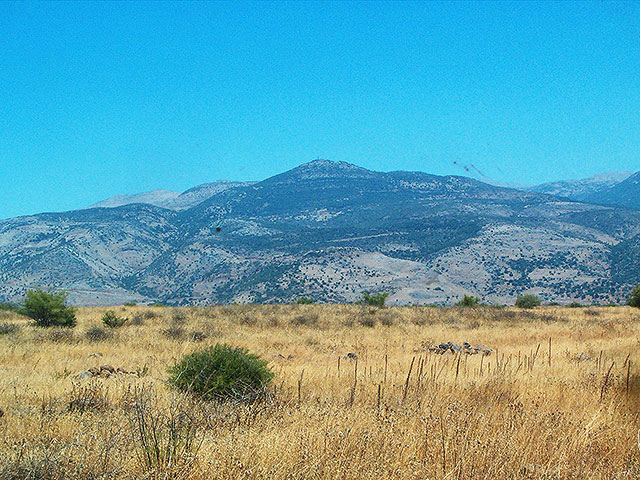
point(8, 307)
point(305, 301)
point(634, 300)
point(221, 373)
point(528, 301)
point(375, 299)
point(98, 334)
point(468, 301)
point(7, 328)
point(129, 304)
point(48, 309)
point(575, 305)
point(111, 320)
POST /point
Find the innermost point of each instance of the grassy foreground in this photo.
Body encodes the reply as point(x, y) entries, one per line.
point(559, 397)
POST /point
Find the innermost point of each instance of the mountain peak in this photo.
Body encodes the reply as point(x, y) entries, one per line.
point(322, 168)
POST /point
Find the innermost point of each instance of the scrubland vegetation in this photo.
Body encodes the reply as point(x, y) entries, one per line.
point(559, 397)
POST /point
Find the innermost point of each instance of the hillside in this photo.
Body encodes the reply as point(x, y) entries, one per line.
point(581, 189)
point(624, 194)
point(329, 230)
point(169, 199)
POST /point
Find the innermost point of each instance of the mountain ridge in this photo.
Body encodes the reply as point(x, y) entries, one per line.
point(331, 231)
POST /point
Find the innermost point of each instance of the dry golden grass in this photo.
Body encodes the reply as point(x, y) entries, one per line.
point(399, 412)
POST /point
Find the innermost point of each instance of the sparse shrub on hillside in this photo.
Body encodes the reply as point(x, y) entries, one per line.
point(179, 317)
point(7, 328)
point(310, 319)
point(198, 336)
point(575, 305)
point(221, 372)
point(375, 299)
point(468, 301)
point(175, 332)
point(98, 334)
point(248, 320)
point(8, 307)
point(48, 309)
point(367, 320)
point(386, 319)
point(129, 304)
point(634, 300)
point(60, 335)
point(528, 301)
point(111, 320)
point(305, 301)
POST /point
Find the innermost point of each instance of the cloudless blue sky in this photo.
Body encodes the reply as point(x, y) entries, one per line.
point(103, 98)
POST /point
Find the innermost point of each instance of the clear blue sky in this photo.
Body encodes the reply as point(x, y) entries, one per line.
point(103, 98)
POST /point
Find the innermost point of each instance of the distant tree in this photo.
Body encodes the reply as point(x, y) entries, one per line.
point(305, 301)
point(112, 320)
point(528, 301)
point(48, 309)
point(468, 301)
point(375, 299)
point(634, 300)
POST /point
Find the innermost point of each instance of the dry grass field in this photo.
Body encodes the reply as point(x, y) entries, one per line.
point(557, 399)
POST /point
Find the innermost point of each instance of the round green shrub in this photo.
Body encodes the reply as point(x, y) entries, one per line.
point(528, 301)
point(48, 309)
point(221, 372)
point(634, 300)
point(468, 301)
point(112, 320)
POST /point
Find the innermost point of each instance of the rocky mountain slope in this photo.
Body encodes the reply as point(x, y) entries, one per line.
point(624, 194)
point(583, 188)
point(330, 230)
point(169, 199)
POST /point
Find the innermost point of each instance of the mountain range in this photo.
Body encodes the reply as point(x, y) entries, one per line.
point(330, 231)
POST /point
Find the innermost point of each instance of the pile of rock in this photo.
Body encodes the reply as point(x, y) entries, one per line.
point(104, 371)
point(466, 347)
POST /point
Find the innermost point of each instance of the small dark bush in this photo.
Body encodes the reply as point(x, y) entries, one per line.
point(129, 304)
point(468, 301)
point(59, 335)
point(198, 336)
point(308, 320)
point(527, 301)
point(305, 301)
point(98, 334)
point(179, 317)
point(575, 305)
point(48, 309)
point(7, 328)
point(8, 307)
point(634, 300)
point(367, 321)
point(111, 320)
point(176, 332)
point(386, 319)
point(221, 373)
point(248, 320)
point(375, 299)
point(137, 319)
